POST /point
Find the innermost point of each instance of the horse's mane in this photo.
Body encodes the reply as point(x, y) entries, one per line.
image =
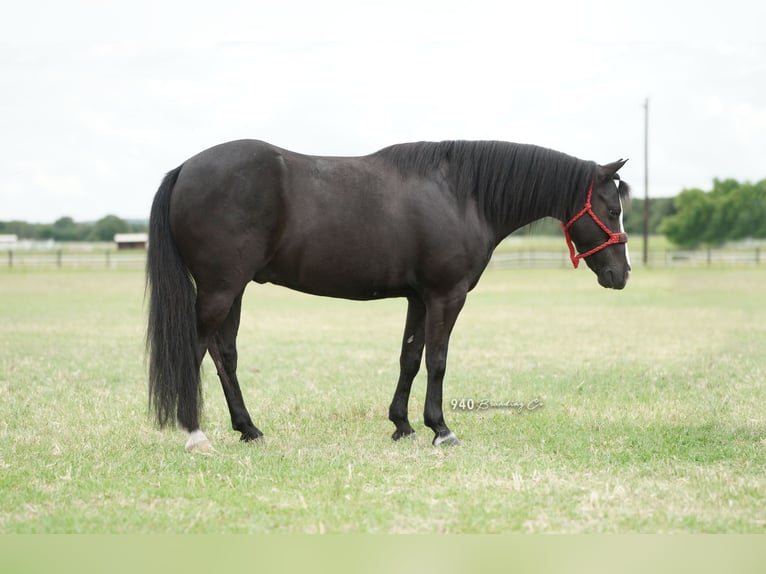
point(512, 183)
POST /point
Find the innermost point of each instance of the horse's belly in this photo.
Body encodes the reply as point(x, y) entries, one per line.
point(343, 272)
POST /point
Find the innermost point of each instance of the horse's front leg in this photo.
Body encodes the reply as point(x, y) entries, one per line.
point(441, 315)
point(409, 365)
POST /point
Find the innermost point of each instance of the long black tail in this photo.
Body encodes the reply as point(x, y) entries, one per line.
point(171, 341)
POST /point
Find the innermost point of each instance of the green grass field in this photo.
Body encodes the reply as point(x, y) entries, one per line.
point(653, 414)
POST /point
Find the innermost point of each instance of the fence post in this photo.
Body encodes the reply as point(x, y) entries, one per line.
point(10, 259)
point(709, 256)
point(757, 254)
point(107, 258)
point(58, 259)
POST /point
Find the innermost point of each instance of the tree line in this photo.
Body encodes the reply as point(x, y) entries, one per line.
point(730, 211)
point(67, 229)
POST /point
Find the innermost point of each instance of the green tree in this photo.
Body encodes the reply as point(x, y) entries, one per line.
point(748, 207)
point(731, 211)
point(694, 212)
point(106, 228)
point(659, 209)
point(65, 229)
point(22, 229)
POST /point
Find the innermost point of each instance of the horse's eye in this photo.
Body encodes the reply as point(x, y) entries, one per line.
point(614, 213)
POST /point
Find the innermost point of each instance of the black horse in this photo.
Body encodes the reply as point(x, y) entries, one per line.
point(416, 220)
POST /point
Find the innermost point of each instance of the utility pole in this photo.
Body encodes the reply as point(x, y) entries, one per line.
point(646, 182)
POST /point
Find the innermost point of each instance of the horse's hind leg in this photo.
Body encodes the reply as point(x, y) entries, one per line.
point(223, 350)
point(217, 325)
point(189, 420)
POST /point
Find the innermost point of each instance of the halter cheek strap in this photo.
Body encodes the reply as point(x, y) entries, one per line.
point(613, 237)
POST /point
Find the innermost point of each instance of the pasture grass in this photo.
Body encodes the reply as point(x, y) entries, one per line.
point(652, 416)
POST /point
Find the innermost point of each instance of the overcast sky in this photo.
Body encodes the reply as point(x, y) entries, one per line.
point(98, 100)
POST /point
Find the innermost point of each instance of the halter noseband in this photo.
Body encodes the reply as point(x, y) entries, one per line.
point(619, 237)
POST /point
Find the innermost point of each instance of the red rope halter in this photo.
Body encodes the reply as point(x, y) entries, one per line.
point(614, 237)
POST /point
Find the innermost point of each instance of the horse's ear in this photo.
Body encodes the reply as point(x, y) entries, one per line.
point(609, 171)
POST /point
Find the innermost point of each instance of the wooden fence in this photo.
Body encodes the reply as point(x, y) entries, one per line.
point(666, 258)
point(65, 260)
point(531, 258)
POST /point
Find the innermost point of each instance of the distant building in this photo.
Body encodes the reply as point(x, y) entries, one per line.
point(131, 240)
point(8, 241)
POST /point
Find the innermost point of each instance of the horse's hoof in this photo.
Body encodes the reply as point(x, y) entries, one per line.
point(446, 440)
point(205, 447)
point(198, 443)
point(250, 436)
point(412, 435)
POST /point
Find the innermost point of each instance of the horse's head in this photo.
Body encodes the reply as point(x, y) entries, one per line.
point(597, 229)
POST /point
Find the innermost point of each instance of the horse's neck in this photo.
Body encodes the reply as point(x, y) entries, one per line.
point(524, 211)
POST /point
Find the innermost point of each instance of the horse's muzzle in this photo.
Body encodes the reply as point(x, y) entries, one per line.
point(612, 278)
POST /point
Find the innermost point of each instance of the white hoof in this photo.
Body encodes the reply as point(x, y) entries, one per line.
point(198, 442)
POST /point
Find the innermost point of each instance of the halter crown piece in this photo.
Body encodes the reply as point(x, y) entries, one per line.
point(614, 237)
